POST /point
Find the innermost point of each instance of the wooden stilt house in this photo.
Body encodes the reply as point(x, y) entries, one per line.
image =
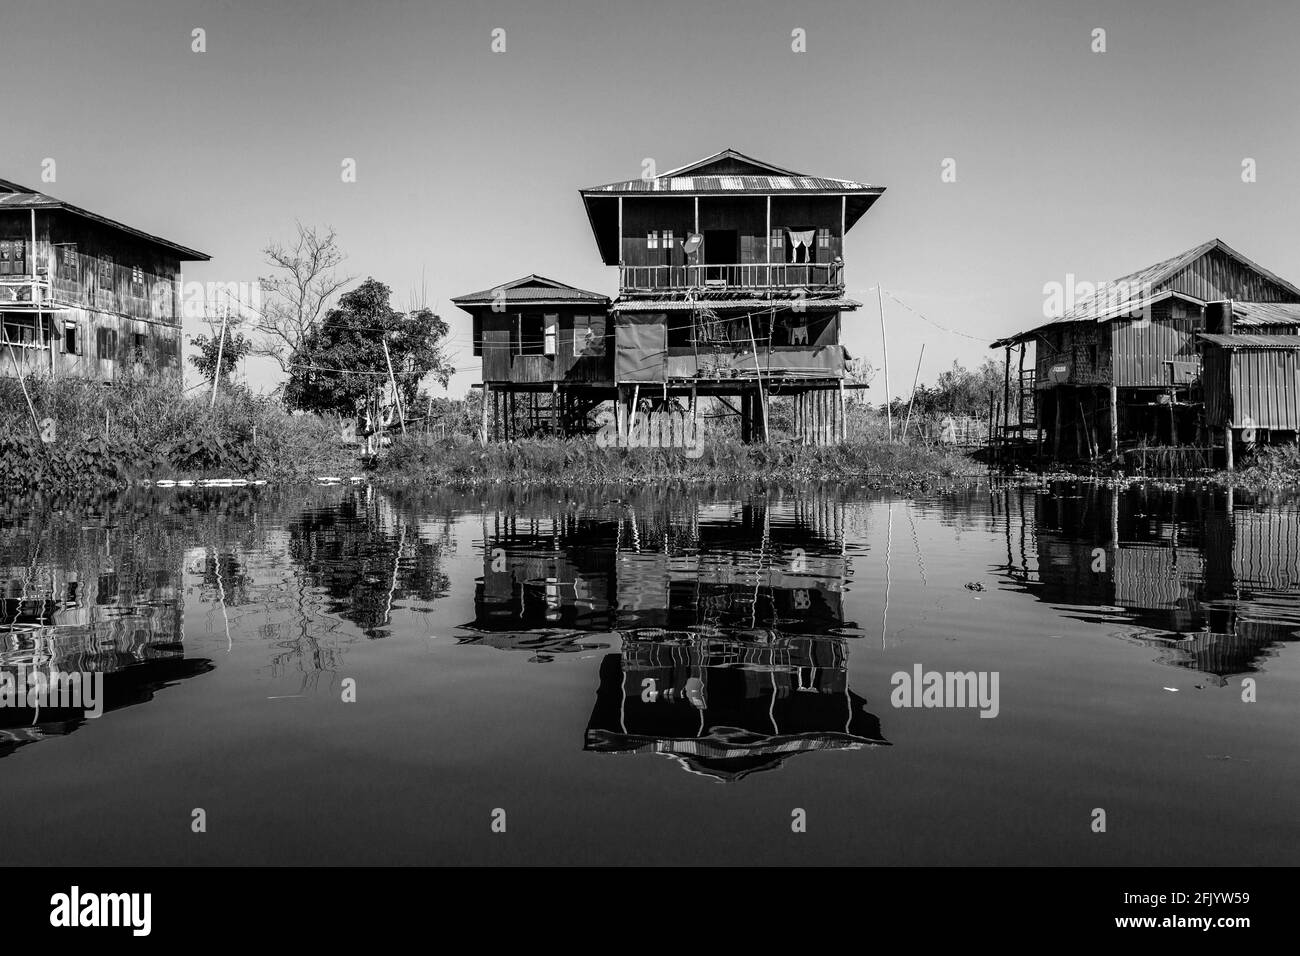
point(1121, 367)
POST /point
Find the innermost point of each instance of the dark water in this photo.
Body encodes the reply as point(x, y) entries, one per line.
point(661, 677)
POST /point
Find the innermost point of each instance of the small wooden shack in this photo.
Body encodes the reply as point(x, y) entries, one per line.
point(538, 339)
point(1251, 387)
point(1121, 366)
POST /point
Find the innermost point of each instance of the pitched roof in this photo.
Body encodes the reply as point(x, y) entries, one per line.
point(1235, 342)
point(531, 289)
point(730, 171)
point(1136, 291)
point(14, 196)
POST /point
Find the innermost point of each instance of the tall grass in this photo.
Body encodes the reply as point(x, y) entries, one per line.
point(459, 460)
point(147, 428)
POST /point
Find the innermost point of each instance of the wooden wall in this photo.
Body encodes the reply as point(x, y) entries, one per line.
point(500, 347)
point(93, 272)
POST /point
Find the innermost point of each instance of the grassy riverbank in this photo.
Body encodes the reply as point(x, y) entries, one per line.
point(460, 461)
point(91, 436)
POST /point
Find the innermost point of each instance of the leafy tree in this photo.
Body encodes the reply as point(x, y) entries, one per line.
point(341, 367)
point(236, 347)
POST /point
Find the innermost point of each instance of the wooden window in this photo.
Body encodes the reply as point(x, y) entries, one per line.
point(69, 264)
point(823, 238)
point(13, 254)
point(552, 342)
point(137, 282)
point(106, 343)
point(71, 338)
point(137, 346)
point(104, 291)
point(588, 335)
point(652, 240)
point(777, 240)
point(668, 239)
point(19, 330)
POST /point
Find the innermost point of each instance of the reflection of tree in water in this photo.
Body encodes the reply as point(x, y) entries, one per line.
point(364, 556)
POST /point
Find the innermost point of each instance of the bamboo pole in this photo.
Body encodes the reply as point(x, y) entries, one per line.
point(889, 415)
point(221, 348)
point(22, 382)
point(915, 378)
point(762, 401)
point(397, 396)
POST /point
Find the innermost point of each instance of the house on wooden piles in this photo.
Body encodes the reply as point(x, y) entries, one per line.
point(1122, 367)
point(84, 296)
point(731, 286)
point(545, 350)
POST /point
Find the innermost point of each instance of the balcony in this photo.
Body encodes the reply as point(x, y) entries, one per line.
point(745, 277)
point(24, 292)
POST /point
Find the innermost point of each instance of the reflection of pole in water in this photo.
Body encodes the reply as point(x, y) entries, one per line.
point(221, 594)
point(916, 546)
point(889, 540)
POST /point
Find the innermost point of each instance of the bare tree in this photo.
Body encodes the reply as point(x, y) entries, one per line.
point(296, 296)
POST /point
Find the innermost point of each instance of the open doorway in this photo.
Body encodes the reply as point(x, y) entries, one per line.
point(721, 248)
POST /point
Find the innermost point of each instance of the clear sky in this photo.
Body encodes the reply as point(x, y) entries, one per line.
point(469, 161)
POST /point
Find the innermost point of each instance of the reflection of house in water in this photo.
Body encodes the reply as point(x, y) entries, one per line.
point(1217, 587)
point(85, 615)
point(729, 617)
point(727, 707)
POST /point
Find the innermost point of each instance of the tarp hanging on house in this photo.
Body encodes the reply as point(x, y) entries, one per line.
point(641, 348)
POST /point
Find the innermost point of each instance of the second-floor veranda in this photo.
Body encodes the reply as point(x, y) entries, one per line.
point(767, 244)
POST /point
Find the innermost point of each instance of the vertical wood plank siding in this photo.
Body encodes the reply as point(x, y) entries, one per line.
point(1264, 385)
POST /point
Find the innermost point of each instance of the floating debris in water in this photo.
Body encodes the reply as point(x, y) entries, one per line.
point(973, 586)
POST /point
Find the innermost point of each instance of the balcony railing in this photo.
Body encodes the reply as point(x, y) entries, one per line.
point(20, 292)
point(759, 276)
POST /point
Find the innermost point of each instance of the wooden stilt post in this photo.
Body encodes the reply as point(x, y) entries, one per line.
point(1227, 447)
point(844, 418)
point(1114, 422)
point(555, 408)
point(483, 428)
point(1056, 431)
point(1006, 389)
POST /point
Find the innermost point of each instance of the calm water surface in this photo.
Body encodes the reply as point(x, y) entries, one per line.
point(656, 676)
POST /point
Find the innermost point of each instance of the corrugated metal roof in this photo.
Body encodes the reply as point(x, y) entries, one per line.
point(678, 305)
point(27, 200)
point(531, 288)
point(1251, 314)
point(760, 177)
point(733, 184)
point(1241, 341)
point(1139, 290)
point(34, 200)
